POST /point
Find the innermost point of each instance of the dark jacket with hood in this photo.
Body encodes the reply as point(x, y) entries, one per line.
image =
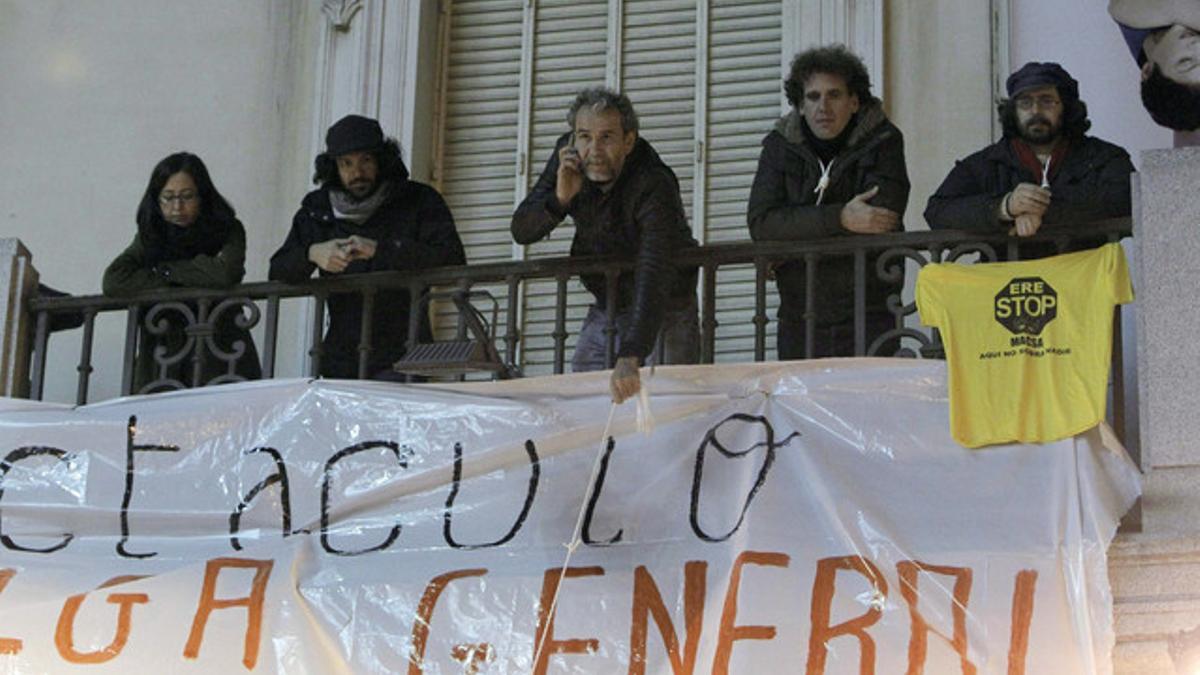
point(1091, 184)
point(210, 253)
point(783, 208)
point(413, 229)
point(641, 216)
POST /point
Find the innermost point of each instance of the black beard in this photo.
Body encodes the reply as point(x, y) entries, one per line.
point(366, 195)
point(1042, 138)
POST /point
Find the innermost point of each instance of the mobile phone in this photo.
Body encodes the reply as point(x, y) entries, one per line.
point(572, 150)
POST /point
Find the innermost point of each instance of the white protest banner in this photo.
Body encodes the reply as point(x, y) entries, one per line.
point(780, 518)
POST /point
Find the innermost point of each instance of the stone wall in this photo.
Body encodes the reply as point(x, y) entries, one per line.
point(1156, 573)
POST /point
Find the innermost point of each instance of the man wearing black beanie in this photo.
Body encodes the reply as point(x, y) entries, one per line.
point(367, 216)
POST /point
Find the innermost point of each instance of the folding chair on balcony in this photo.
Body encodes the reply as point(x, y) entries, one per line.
point(474, 351)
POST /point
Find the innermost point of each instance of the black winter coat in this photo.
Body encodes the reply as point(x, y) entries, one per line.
point(783, 208)
point(641, 216)
point(1091, 184)
point(413, 229)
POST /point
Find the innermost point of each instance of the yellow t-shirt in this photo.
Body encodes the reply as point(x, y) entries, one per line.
point(1028, 343)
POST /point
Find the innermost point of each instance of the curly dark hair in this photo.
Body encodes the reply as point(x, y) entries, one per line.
point(1075, 122)
point(206, 236)
point(1171, 104)
point(387, 156)
point(832, 60)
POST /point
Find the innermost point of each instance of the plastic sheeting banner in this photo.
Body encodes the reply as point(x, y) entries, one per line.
point(810, 518)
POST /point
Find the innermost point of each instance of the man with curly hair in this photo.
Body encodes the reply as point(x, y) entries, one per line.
point(1045, 172)
point(832, 167)
point(367, 216)
point(1164, 38)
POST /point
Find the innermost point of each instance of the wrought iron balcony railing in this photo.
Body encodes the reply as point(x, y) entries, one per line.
point(259, 303)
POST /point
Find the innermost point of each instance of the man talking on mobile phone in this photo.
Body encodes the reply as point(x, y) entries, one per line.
point(624, 200)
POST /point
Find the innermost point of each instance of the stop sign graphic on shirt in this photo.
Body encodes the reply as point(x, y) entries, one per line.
point(1026, 304)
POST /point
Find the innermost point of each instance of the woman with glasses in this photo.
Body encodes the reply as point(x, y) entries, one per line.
point(187, 236)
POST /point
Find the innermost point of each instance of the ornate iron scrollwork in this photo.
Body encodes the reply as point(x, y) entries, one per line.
point(889, 267)
point(238, 348)
point(158, 323)
point(177, 330)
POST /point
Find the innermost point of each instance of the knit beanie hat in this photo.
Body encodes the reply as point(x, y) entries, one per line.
point(353, 133)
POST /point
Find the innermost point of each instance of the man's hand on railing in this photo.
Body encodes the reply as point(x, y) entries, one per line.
point(332, 256)
point(1027, 199)
point(860, 217)
point(1026, 225)
point(625, 381)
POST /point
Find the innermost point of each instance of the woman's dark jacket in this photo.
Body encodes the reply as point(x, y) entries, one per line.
point(202, 255)
point(783, 208)
point(640, 217)
point(413, 229)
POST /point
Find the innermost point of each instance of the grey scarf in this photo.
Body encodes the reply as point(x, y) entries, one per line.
point(357, 211)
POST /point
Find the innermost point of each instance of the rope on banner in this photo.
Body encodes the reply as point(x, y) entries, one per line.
point(576, 538)
point(645, 423)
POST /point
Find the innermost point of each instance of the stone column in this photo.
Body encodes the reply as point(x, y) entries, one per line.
point(1155, 574)
point(1167, 238)
point(18, 280)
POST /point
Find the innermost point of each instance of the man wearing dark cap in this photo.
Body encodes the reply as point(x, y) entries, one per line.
point(367, 216)
point(1044, 172)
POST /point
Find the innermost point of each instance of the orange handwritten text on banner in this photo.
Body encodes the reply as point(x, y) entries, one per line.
point(545, 624)
point(909, 571)
point(253, 604)
point(8, 645)
point(730, 631)
point(64, 634)
point(420, 628)
point(647, 601)
point(822, 603)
